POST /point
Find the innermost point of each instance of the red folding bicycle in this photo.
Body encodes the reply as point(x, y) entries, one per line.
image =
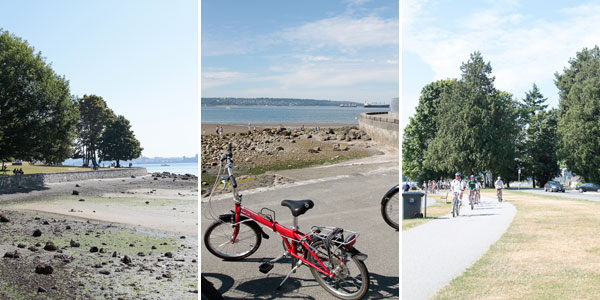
point(328, 251)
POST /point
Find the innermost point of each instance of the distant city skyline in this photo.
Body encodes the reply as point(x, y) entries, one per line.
point(335, 50)
point(141, 57)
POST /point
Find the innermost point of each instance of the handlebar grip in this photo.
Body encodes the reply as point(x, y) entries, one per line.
point(232, 180)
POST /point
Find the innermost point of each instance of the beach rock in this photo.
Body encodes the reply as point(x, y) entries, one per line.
point(75, 192)
point(4, 219)
point(81, 200)
point(77, 185)
point(44, 269)
point(21, 245)
point(50, 246)
point(37, 233)
point(114, 254)
point(46, 222)
point(93, 249)
point(126, 260)
point(141, 254)
point(104, 272)
point(68, 227)
point(153, 247)
point(147, 202)
point(97, 266)
point(74, 244)
point(15, 254)
point(169, 255)
point(33, 249)
point(41, 290)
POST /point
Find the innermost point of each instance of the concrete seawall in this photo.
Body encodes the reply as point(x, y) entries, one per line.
point(382, 127)
point(37, 180)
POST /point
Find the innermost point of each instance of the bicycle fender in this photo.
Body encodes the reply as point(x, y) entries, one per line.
point(359, 255)
point(389, 193)
point(230, 217)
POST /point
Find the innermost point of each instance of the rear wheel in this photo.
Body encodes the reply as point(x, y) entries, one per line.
point(580, 190)
point(351, 280)
point(219, 235)
point(390, 209)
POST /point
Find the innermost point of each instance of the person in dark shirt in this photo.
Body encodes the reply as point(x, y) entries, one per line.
point(406, 187)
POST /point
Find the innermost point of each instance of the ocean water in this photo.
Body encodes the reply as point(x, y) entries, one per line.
point(283, 114)
point(177, 168)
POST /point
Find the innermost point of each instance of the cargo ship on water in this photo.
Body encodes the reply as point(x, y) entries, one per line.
point(367, 105)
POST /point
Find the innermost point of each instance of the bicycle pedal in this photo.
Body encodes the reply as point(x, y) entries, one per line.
point(265, 267)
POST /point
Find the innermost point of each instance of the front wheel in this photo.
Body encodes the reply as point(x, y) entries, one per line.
point(390, 209)
point(580, 190)
point(472, 201)
point(351, 277)
point(218, 239)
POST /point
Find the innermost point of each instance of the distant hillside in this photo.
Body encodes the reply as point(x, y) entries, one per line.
point(273, 102)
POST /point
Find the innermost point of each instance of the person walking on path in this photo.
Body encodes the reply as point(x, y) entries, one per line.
point(406, 187)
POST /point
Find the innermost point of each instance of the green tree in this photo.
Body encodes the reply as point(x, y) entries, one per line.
point(119, 142)
point(476, 126)
point(94, 117)
point(37, 113)
point(579, 114)
point(421, 130)
point(538, 142)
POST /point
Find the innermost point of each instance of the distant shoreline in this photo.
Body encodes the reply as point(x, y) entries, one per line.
point(209, 128)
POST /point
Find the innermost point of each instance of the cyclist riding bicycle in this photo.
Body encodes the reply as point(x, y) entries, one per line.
point(472, 185)
point(499, 184)
point(457, 186)
point(478, 189)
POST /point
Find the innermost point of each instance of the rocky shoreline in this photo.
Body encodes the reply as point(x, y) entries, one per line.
point(59, 256)
point(257, 152)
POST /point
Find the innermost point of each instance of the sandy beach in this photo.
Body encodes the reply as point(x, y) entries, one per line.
point(128, 238)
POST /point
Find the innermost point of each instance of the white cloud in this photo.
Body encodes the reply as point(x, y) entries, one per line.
point(213, 79)
point(345, 33)
point(522, 49)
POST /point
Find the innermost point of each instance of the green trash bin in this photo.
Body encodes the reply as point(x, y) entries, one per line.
point(412, 205)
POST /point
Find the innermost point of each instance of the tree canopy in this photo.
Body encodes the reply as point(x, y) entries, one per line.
point(37, 113)
point(118, 141)
point(579, 114)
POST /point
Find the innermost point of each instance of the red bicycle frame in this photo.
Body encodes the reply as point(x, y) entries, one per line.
point(285, 233)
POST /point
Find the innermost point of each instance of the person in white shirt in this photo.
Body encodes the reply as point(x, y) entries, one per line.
point(499, 184)
point(458, 186)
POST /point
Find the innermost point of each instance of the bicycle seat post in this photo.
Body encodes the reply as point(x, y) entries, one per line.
point(295, 227)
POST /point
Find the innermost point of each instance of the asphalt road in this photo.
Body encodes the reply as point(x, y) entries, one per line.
point(437, 251)
point(347, 196)
point(592, 196)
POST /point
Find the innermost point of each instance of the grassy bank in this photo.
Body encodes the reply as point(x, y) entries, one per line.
point(550, 251)
point(35, 169)
point(433, 212)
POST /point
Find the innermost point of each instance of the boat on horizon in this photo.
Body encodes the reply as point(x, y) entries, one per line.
point(347, 105)
point(367, 105)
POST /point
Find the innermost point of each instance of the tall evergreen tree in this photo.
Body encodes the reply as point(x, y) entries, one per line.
point(579, 114)
point(421, 130)
point(476, 127)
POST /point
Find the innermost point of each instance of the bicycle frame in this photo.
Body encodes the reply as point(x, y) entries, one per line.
point(296, 237)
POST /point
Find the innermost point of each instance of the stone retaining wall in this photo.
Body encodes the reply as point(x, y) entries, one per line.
point(36, 180)
point(382, 127)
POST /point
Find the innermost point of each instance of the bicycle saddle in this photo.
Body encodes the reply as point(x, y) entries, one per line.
point(298, 207)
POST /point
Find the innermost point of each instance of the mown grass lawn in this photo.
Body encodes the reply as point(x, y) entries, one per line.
point(433, 212)
point(35, 169)
point(551, 250)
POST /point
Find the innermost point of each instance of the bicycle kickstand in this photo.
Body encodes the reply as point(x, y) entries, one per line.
point(298, 264)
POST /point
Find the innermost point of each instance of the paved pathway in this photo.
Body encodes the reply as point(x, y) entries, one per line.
point(437, 251)
point(592, 196)
point(347, 195)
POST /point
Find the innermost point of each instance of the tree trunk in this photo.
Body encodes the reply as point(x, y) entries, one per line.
point(533, 180)
point(118, 165)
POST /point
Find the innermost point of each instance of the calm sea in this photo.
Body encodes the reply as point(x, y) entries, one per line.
point(177, 168)
point(283, 114)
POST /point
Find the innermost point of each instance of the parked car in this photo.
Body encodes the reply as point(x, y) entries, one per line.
point(554, 186)
point(586, 187)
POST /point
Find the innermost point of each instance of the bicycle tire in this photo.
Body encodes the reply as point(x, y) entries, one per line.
point(343, 268)
point(217, 234)
point(390, 209)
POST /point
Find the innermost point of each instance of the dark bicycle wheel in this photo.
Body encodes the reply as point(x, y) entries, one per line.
point(351, 280)
point(218, 240)
point(472, 201)
point(390, 207)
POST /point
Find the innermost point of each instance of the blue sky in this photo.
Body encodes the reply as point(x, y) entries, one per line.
point(140, 56)
point(337, 50)
point(525, 41)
